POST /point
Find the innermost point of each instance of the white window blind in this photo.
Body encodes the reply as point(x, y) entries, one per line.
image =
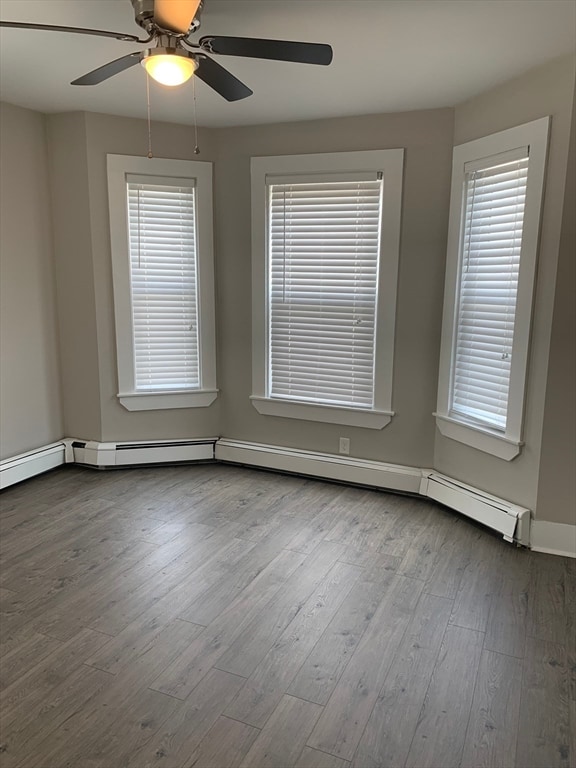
point(324, 245)
point(491, 240)
point(163, 276)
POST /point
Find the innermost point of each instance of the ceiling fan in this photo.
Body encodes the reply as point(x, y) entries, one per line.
point(173, 58)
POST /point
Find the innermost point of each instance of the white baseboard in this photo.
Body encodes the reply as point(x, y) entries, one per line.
point(511, 520)
point(32, 463)
point(554, 538)
point(324, 465)
point(94, 454)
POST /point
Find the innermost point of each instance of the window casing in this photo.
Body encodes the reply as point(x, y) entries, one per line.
point(161, 237)
point(497, 189)
point(325, 262)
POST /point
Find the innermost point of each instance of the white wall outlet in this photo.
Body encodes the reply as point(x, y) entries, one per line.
point(344, 445)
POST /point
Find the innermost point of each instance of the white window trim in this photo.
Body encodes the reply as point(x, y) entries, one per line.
point(390, 162)
point(119, 166)
point(505, 445)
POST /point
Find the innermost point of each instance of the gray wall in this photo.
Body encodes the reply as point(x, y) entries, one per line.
point(557, 483)
point(427, 138)
point(29, 374)
point(547, 90)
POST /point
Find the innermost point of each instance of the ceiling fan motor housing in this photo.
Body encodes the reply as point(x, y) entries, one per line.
point(145, 17)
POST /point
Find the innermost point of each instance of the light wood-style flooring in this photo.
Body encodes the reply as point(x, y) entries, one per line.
point(213, 616)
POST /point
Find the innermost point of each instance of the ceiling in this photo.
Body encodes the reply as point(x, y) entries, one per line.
point(389, 56)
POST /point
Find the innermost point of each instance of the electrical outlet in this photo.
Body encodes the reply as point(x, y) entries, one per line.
point(344, 445)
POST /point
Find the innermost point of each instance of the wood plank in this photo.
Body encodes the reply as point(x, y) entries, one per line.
point(94, 597)
point(207, 560)
point(388, 735)
point(184, 674)
point(408, 526)
point(341, 725)
point(284, 735)
point(23, 657)
point(49, 673)
point(441, 730)
point(30, 735)
point(377, 565)
point(59, 612)
point(547, 618)
point(493, 726)
point(453, 558)
point(250, 647)
point(321, 671)
point(572, 729)
point(272, 677)
point(311, 535)
point(108, 736)
point(210, 604)
point(124, 715)
point(183, 731)
point(478, 585)
point(507, 620)
point(312, 758)
point(544, 729)
point(424, 551)
point(365, 525)
point(226, 744)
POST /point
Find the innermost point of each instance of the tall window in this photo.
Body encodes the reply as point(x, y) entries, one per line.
point(162, 235)
point(324, 247)
point(325, 266)
point(163, 281)
point(495, 212)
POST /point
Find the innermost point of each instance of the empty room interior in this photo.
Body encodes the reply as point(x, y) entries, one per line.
point(288, 384)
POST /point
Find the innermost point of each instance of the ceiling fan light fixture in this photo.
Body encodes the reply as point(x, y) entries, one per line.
point(169, 66)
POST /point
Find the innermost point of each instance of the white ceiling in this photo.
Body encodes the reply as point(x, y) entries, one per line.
point(389, 56)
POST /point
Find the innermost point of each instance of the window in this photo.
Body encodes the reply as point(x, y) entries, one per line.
point(325, 235)
point(160, 223)
point(494, 219)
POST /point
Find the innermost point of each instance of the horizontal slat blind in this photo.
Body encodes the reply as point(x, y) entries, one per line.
point(324, 243)
point(490, 259)
point(163, 272)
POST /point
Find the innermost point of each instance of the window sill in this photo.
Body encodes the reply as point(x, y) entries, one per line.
point(476, 437)
point(329, 414)
point(155, 401)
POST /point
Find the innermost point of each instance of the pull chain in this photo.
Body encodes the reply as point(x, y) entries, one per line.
point(150, 155)
point(196, 147)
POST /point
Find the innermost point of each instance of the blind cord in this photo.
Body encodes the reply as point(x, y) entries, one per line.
point(148, 112)
point(196, 147)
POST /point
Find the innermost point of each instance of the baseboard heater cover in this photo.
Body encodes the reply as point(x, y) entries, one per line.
point(324, 465)
point(511, 520)
point(32, 463)
point(95, 454)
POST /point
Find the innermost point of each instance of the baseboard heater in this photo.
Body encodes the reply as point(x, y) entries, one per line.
point(32, 463)
point(375, 474)
point(512, 521)
point(94, 454)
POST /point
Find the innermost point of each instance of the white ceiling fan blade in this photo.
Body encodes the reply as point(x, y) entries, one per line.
point(175, 15)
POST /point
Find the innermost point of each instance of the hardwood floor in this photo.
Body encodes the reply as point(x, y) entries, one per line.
point(213, 616)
